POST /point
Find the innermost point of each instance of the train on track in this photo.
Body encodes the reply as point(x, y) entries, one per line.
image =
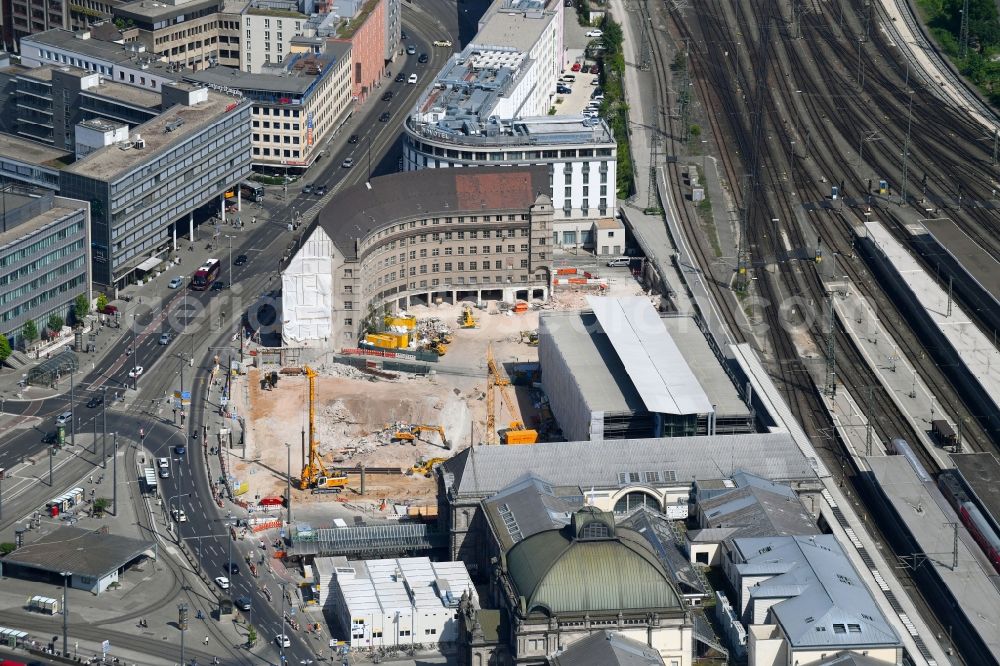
point(979, 527)
point(900, 447)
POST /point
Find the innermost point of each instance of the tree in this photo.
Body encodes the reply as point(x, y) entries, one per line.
point(30, 332)
point(55, 323)
point(81, 308)
point(5, 349)
point(101, 504)
point(251, 636)
point(6, 548)
point(102, 302)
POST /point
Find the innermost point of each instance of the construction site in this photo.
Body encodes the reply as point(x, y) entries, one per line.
point(335, 418)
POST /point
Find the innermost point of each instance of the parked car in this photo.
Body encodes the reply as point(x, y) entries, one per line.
point(387, 96)
point(50, 438)
point(243, 603)
point(411, 50)
point(384, 118)
point(96, 401)
point(348, 163)
point(164, 467)
point(164, 338)
point(319, 190)
point(595, 33)
point(595, 69)
point(619, 261)
point(576, 67)
point(240, 260)
point(400, 77)
point(110, 310)
point(442, 42)
point(564, 90)
point(64, 418)
point(222, 582)
point(136, 371)
point(567, 78)
point(307, 189)
point(180, 449)
point(354, 137)
point(176, 282)
point(595, 81)
point(412, 79)
point(423, 58)
point(403, 35)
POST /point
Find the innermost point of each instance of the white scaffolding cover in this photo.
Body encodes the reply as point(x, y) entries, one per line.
point(651, 358)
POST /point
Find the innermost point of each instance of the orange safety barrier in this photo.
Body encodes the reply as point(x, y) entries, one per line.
point(269, 525)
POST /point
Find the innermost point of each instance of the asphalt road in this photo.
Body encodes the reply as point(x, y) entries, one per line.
point(199, 316)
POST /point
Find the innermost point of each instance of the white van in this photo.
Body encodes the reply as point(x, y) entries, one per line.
point(64, 418)
point(619, 261)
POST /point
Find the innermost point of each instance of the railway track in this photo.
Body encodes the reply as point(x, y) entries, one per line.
point(815, 112)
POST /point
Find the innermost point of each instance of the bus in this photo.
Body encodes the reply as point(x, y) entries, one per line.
point(252, 191)
point(206, 274)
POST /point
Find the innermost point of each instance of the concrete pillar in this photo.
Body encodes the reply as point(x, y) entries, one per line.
point(222, 208)
point(191, 225)
point(239, 199)
point(174, 229)
point(454, 296)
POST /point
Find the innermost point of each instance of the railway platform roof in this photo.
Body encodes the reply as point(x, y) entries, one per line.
point(974, 348)
point(923, 512)
point(981, 472)
point(977, 261)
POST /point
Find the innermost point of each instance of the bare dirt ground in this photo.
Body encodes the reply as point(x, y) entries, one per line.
point(357, 415)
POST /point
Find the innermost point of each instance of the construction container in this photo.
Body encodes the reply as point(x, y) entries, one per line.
point(381, 340)
point(402, 339)
point(409, 323)
point(521, 306)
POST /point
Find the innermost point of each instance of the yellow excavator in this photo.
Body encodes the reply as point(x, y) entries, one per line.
point(425, 467)
point(467, 320)
point(516, 432)
point(410, 434)
point(314, 474)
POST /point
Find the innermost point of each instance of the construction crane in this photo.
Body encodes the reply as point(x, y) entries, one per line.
point(515, 432)
point(314, 474)
point(409, 433)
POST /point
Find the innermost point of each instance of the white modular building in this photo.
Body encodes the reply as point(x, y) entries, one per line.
point(391, 602)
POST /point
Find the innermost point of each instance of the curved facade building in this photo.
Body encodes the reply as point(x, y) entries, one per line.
point(580, 155)
point(481, 234)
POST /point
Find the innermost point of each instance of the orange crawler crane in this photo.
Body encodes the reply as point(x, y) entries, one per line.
point(515, 433)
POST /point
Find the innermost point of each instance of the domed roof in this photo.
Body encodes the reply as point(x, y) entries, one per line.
point(589, 566)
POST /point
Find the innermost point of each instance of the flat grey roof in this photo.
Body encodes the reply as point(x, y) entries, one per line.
point(99, 49)
point(357, 211)
point(23, 150)
point(160, 10)
point(976, 259)
point(926, 515)
point(591, 359)
point(147, 99)
point(981, 472)
point(35, 224)
point(484, 470)
point(823, 601)
point(509, 26)
point(291, 81)
point(651, 358)
point(109, 161)
point(705, 365)
point(82, 552)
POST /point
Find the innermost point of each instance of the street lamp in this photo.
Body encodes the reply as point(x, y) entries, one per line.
point(65, 609)
point(288, 480)
point(104, 428)
point(182, 624)
point(72, 408)
point(135, 375)
point(114, 468)
point(229, 554)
